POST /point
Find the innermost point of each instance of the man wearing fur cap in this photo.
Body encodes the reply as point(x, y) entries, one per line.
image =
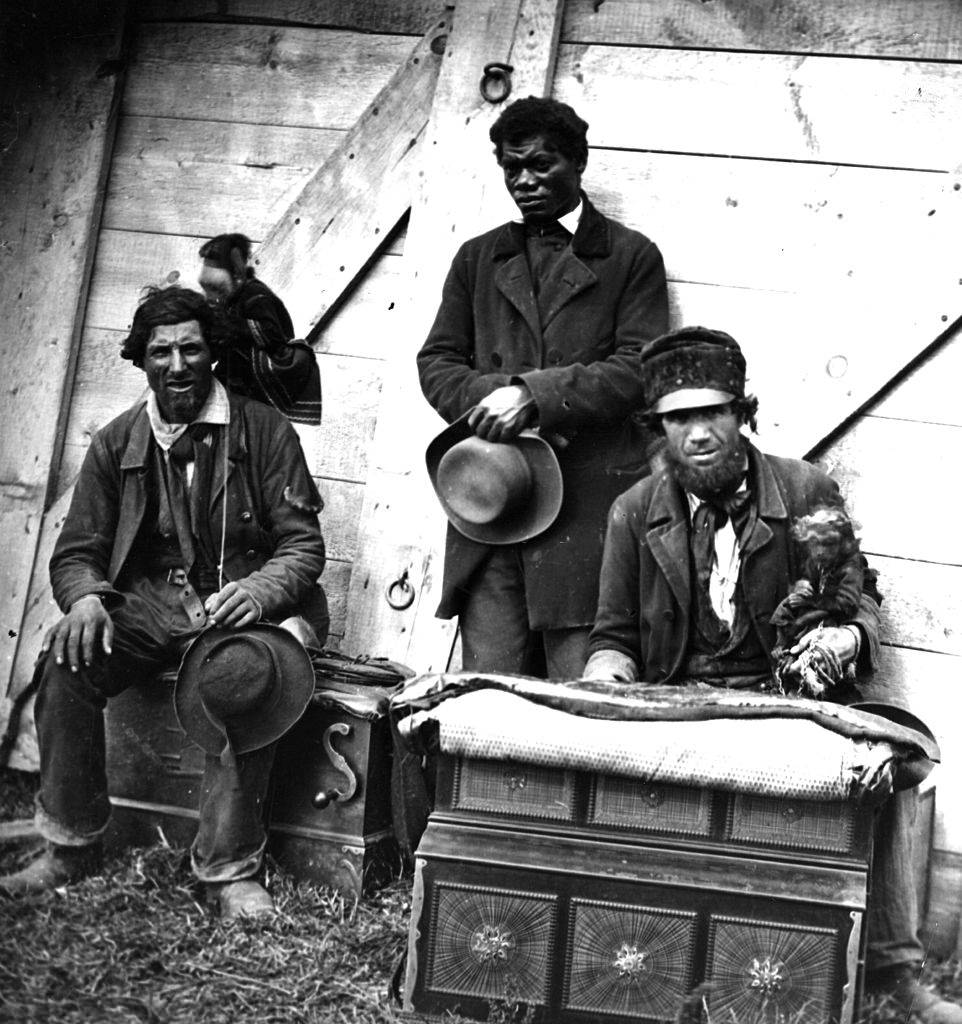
point(194, 508)
point(697, 558)
point(541, 325)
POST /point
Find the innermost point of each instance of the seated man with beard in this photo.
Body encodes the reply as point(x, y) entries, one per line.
point(698, 556)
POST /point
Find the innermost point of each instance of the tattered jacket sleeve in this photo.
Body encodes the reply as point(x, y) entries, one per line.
point(289, 505)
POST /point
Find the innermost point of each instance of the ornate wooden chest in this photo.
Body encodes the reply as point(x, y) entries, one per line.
point(340, 750)
point(589, 897)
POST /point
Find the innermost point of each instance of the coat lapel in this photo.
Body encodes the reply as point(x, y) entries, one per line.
point(236, 451)
point(513, 278)
point(133, 491)
point(572, 275)
point(668, 540)
point(569, 278)
point(769, 505)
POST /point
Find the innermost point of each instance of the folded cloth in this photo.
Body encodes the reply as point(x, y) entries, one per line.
point(780, 757)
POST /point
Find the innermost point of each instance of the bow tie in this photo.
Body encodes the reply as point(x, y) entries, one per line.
point(182, 450)
point(552, 229)
point(718, 510)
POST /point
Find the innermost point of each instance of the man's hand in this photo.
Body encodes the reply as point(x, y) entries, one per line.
point(74, 638)
point(232, 606)
point(838, 639)
point(504, 413)
point(820, 660)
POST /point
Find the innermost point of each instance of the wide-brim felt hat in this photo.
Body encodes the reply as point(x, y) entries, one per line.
point(692, 368)
point(916, 765)
point(495, 492)
point(238, 690)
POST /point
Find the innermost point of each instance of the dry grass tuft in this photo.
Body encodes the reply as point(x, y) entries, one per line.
point(137, 945)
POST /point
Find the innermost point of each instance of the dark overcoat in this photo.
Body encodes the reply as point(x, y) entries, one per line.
point(645, 601)
point(580, 359)
point(273, 540)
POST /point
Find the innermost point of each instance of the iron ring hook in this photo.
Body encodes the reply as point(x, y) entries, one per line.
point(401, 585)
point(496, 82)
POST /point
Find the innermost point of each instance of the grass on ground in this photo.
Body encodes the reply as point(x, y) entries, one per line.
point(137, 944)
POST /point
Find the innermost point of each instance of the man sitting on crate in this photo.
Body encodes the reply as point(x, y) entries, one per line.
point(697, 558)
point(192, 509)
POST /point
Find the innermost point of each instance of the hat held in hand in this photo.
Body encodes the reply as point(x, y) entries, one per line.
point(241, 689)
point(491, 491)
point(692, 368)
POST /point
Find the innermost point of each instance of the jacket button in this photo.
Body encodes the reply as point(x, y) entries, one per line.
point(496, 359)
point(668, 614)
point(554, 356)
point(251, 553)
point(245, 517)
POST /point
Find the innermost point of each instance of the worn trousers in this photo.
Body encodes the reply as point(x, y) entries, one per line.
point(151, 631)
point(893, 913)
point(496, 637)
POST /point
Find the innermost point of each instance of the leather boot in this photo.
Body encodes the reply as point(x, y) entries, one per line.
point(55, 867)
point(901, 985)
point(246, 898)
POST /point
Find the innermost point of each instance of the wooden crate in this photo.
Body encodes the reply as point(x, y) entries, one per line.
point(589, 897)
point(155, 774)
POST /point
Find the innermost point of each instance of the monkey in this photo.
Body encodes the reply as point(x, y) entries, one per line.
point(827, 593)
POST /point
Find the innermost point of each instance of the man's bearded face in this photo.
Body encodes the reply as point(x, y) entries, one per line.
point(179, 369)
point(705, 449)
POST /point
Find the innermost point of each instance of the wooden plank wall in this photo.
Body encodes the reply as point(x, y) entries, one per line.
point(220, 128)
point(60, 77)
point(796, 163)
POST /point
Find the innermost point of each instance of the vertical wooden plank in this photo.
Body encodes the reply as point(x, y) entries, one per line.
point(459, 193)
point(60, 96)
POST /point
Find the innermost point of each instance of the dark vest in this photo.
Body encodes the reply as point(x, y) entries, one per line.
point(717, 654)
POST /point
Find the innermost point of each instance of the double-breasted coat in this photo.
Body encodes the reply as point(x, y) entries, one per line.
point(645, 601)
point(579, 356)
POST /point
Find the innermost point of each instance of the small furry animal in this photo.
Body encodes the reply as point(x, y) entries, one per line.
point(827, 594)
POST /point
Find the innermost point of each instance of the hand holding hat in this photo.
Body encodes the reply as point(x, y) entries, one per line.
point(504, 414)
point(239, 690)
point(491, 491)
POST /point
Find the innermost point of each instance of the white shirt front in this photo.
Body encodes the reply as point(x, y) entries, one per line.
point(726, 565)
point(569, 221)
point(215, 410)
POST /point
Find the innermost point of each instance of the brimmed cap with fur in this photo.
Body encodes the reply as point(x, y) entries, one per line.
point(692, 368)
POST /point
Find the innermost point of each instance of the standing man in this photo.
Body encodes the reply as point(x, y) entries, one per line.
point(697, 558)
point(541, 325)
point(192, 508)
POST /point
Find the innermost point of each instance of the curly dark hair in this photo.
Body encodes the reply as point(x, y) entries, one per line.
point(746, 409)
point(535, 115)
point(173, 305)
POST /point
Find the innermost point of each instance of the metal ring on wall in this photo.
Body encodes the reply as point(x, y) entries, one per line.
point(496, 82)
point(400, 593)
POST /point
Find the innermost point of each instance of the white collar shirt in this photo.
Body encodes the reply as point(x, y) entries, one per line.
point(726, 565)
point(215, 410)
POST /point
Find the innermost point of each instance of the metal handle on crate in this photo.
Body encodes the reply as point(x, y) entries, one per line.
point(324, 797)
